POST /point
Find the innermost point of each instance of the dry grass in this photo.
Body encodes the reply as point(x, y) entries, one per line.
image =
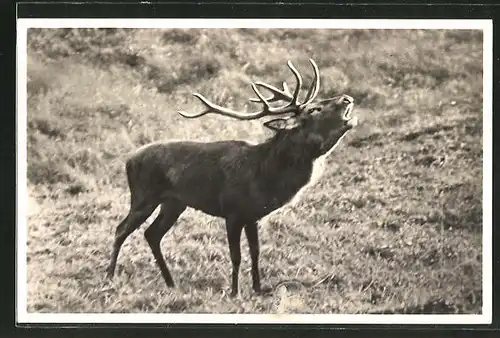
point(395, 224)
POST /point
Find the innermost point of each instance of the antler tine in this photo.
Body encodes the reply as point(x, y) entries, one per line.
point(296, 92)
point(278, 94)
point(261, 97)
point(285, 93)
point(314, 89)
point(210, 107)
point(268, 110)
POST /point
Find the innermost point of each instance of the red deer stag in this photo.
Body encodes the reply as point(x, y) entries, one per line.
point(234, 180)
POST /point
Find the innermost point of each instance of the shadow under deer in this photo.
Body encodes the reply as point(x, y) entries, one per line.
point(233, 179)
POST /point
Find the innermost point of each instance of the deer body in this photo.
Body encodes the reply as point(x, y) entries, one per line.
point(237, 178)
point(234, 180)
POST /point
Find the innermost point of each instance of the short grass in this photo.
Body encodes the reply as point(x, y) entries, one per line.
point(393, 226)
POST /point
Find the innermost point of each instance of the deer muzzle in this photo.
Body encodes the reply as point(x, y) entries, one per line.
point(350, 120)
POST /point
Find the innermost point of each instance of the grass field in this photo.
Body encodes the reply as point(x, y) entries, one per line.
point(393, 226)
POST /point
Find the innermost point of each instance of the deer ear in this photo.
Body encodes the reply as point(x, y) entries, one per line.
point(282, 123)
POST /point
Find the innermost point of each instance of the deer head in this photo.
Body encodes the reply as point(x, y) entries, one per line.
point(320, 122)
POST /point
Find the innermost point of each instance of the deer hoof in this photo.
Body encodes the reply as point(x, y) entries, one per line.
point(110, 273)
point(265, 290)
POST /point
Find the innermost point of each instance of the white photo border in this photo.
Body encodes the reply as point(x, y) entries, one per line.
point(23, 317)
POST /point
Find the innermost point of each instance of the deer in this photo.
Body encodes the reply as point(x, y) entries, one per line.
point(233, 179)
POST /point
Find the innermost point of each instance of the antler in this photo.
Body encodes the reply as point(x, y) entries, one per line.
point(266, 111)
point(293, 105)
point(314, 89)
point(285, 93)
point(277, 93)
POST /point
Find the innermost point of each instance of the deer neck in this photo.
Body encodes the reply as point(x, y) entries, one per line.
point(285, 152)
point(295, 152)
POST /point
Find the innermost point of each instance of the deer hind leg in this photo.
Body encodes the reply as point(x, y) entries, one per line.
point(143, 201)
point(133, 221)
point(170, 211)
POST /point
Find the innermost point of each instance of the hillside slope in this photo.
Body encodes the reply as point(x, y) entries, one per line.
point(394, 225)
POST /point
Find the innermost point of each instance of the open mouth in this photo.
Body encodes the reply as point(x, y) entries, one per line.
point(348, 112)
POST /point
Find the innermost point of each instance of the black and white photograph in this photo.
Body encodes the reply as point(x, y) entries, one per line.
point(254, 171)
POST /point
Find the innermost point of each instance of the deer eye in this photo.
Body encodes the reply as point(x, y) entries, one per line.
point(315, 111)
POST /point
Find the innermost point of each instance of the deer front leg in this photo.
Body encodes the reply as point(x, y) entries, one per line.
point(251, 232)
point(234, 229)
point(253, 245)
